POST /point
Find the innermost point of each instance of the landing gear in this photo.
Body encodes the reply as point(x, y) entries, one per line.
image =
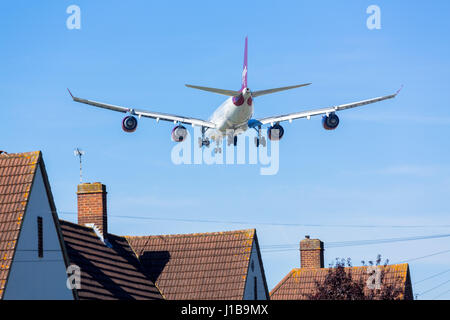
point(257, 142)
point(203, 141)
point(232, 139)
point(260, 140)
point(263, 141)
point(218, 148)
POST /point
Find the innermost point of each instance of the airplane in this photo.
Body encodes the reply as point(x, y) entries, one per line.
point(234, 116)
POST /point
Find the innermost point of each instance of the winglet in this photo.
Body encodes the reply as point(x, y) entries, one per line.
point(398, 91)
point(70, 93)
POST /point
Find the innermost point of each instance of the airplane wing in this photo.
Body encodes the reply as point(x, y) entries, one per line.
point(148, 114)
point(327, 110)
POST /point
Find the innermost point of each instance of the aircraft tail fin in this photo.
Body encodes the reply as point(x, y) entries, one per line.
point(244, 71)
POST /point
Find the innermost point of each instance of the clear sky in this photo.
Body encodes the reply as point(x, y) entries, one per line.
point(384, 173)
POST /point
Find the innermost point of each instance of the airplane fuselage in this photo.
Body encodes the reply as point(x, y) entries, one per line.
point(232, 116)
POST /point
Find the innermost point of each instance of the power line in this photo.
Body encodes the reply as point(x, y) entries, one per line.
point(388, 240)
point(433, 276)
point(266, 223)
point(441, 294)
point(438, 286)
point(291, 247)
point(423, 257)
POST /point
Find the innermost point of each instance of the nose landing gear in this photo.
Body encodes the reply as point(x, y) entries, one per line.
point(232, 139)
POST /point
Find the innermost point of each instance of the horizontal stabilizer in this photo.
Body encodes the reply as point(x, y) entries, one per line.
point(230, 93)
point(269, 91)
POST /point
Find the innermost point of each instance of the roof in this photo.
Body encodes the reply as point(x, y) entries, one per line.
point(301, 282)
point(197, 266)
point(17, 173)
point(107, 272)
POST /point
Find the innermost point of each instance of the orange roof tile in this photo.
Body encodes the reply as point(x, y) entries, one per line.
point(197, 266)
point(17, 173)
point(300, 283)
point(107, 272)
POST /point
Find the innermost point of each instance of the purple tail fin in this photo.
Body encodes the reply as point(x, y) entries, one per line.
point(244, 72)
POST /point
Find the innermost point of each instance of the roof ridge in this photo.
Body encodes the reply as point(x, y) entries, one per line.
point(185, 235)
point(19, 154)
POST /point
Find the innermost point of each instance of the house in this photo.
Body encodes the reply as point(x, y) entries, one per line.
point(300, 283)
point(109, 269)
point(37, 250)
point(204, 266)
point(43, 257)
point(32, 253)
point(108, 266)
point(217, 265)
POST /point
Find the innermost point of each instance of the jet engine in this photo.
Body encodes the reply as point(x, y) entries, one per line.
point(330, 122)
point(238, 100)
point(129, 124)
point(275, 132)
point(179, 133)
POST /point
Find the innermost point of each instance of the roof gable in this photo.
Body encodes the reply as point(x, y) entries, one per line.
point(17, 172)
point(107, 272)
point(197, 266)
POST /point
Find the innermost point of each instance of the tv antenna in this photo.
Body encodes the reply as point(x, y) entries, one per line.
point(79, 153)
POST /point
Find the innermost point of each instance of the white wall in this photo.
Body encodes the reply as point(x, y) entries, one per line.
point(32, 277)
point(249, 293)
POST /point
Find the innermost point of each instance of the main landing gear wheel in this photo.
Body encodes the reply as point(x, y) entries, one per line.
point(263, 141)
point(232, 140)
point(217, 150)
point(257, 142)
point(260, 140)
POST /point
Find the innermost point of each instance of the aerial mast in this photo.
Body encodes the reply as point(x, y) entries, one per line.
point(79, 153)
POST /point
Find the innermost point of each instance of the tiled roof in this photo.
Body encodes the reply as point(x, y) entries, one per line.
point(17, 172)
point(197, 266)
point(112, 272)
point(300, 283)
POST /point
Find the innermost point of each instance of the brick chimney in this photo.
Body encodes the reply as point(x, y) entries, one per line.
point(92, 206)
point(311, 253)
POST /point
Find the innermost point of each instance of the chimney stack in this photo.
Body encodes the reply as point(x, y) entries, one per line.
point(92, 206)
point(311, 253)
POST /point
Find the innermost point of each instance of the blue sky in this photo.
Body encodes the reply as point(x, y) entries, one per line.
point(384, 168)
